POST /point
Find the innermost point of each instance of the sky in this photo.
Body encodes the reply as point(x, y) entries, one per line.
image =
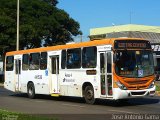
point(104, 13)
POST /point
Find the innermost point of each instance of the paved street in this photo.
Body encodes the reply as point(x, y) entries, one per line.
point(70, 105)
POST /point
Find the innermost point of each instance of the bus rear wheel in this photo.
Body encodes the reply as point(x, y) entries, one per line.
point(89, 95)
point(31, 90)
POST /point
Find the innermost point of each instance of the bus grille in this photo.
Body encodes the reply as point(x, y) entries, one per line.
point(136, 82)
point(137, 85)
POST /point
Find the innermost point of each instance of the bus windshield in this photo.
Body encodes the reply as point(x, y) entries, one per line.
point(132, 63)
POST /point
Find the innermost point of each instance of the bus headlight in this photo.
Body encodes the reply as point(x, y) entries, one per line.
point(152, 85)
point(121, 86)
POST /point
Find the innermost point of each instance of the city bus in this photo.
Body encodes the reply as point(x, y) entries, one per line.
point(114, 69)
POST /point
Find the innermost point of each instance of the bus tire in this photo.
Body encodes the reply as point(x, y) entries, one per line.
point(89, 95)
point(31, 90)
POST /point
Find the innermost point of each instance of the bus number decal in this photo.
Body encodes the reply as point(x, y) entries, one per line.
point(38, 76)
point(68, 78)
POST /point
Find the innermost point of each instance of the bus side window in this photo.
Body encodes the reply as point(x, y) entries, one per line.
point(34, 61)
point(74, 58)
point(9, 63)
point(63, 60)
point(25, 62)
point(109, 62)
point(43, 61)
point(89, 57)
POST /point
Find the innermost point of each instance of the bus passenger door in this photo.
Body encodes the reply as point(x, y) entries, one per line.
point(55, 75)
point(17, 74)
point(106, 73)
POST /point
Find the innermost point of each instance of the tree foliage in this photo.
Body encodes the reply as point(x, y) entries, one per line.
point(40, 20)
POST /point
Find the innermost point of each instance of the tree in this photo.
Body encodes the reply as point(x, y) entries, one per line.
point(52, 2)
point(40, 20)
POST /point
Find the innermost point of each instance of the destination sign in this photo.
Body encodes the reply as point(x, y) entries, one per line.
point(132, 44)
point(156, 47)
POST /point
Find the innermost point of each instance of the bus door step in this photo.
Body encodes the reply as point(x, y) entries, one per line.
point(55, 94)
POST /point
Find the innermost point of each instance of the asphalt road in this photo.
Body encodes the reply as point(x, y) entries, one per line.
point(67, 108)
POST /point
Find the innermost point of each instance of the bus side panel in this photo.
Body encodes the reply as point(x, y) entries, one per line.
point(25, 77)
point(71, 82)
point(39, 79)
point(41, 82)
point(9, 81)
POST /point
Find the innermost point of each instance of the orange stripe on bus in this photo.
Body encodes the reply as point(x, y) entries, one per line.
point(69, 46)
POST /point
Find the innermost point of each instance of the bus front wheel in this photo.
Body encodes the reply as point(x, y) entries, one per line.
point(31, 90)
point(89, 95)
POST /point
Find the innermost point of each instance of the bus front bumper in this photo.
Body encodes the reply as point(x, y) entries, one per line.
point(127, 94)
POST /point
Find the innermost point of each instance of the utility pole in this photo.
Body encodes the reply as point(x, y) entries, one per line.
point(17, 46)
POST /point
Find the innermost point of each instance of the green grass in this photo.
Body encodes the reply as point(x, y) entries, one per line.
point(19, 116)
point(157, 87)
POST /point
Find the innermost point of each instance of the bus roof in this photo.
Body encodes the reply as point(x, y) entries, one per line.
point(95, 42)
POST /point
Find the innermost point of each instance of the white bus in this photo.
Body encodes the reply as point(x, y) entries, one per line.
point(94, 69)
